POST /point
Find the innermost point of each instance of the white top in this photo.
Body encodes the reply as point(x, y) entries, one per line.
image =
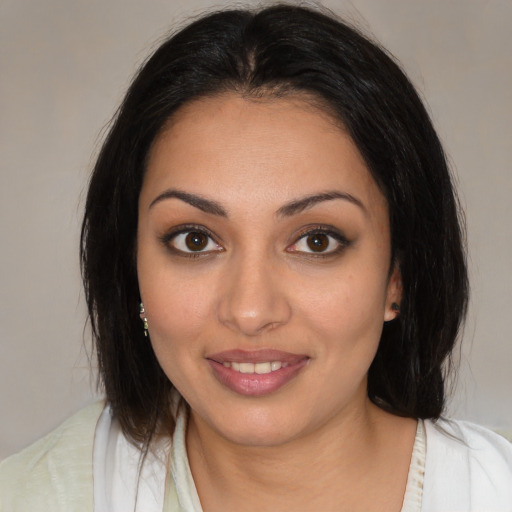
point(455, 466)
point(467, 468)
point(118, 487)
point(414, 490)
point(86, 465)
point(116, 466)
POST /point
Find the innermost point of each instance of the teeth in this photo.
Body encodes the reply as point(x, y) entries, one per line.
point(246, 368)
point(258, 368)
point(262, 368)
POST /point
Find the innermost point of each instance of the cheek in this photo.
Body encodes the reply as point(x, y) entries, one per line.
point(347, 308)
point(352, 295)
point(177, 310)
point(177, 303)
point(178, 320)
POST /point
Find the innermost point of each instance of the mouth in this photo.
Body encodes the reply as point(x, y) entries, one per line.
point(256, 373)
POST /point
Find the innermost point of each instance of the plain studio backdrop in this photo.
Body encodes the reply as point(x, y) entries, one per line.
point(64, 67)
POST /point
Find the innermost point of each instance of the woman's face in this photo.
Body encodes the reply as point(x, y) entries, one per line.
point(263, 259)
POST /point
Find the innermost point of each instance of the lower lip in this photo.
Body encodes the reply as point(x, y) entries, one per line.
point(254, 384)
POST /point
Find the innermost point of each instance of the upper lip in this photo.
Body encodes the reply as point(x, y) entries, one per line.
point(256, 356)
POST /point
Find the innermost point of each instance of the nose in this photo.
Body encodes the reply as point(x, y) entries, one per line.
point(253, 298)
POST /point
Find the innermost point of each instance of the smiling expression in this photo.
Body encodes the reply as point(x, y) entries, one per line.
point(263, 258)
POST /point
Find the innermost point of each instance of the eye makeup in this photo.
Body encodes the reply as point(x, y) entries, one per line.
point(319, 241)
point(314, 242)
point(191, 241)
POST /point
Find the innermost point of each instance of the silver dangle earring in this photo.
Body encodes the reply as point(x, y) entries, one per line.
point(142, 313)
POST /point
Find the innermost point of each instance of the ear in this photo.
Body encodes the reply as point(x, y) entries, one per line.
point(394, 295)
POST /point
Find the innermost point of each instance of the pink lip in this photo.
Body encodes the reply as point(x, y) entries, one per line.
point(256, 384)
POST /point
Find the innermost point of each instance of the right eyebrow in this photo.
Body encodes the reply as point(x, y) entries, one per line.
point(205, 205)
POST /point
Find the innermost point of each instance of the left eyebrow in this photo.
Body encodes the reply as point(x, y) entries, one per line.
point(307, 202)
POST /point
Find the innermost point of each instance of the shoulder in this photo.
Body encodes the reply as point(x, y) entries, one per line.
point(54, 473)
point(477, 443)
point(467, 468)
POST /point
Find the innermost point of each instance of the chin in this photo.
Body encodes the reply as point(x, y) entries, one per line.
point(260, 436)
point(257, 426)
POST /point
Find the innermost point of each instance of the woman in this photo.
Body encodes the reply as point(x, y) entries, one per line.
point(275, 277)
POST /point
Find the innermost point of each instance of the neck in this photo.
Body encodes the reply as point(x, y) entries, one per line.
point(345, 450)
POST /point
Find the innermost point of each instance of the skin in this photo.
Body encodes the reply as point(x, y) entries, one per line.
point(257, 284)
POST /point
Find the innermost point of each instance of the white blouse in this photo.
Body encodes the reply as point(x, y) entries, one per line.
point(122, 483)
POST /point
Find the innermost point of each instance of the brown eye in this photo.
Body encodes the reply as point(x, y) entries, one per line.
point(196, 241)
point(191, 242)
point(318, 242)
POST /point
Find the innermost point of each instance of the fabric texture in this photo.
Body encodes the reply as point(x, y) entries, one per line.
point(413, 497)
point(122, 483)
point(55, 473)
point(467, 469)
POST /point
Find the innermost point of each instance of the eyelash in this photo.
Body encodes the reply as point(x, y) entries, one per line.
point(169, 237)
point(329, 231)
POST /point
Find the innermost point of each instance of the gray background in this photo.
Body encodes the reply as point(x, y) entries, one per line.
point(64, 66)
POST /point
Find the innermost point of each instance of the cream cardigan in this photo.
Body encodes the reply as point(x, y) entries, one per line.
point(467, 469)
point(55, 473)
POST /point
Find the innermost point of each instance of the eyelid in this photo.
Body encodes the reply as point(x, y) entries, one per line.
point(328, 230)
point(174, 232)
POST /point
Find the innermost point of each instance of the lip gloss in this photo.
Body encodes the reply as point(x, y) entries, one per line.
point(254, 384)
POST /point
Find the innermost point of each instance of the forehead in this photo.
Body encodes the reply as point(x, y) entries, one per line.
point(253, 150)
